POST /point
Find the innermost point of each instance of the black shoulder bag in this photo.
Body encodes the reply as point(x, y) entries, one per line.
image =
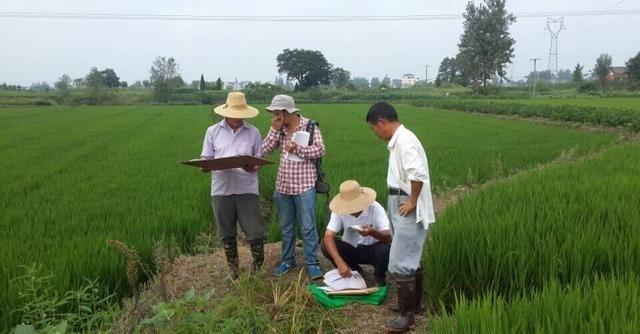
point(322, 186)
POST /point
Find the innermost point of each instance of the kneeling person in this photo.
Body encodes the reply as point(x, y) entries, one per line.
point(366, 234)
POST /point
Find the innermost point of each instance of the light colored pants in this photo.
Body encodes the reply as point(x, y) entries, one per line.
point(408, 239)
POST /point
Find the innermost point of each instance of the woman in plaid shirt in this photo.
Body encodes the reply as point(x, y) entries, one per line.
point(295, 184)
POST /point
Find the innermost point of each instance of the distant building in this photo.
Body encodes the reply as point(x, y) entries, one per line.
point(618, 73)
point(396, 83)
point(408, 80)
point(235, 85)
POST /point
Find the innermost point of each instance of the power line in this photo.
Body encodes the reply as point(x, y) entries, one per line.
point(271, 18)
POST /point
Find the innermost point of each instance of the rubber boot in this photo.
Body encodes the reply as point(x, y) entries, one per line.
point(257, 252)
point(405, 319)
point(419, 291)
point(231, 252)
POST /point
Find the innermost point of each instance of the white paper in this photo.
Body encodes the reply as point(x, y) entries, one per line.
point(301, 138)
point(336, 282)
point(357, 227)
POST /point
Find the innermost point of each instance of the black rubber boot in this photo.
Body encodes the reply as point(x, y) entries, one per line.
point(231, 252)
point(419, 291)
point(257, 252)
point(406, 303)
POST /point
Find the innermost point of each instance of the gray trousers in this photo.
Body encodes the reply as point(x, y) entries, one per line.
point(243, 209)
point(408, 239)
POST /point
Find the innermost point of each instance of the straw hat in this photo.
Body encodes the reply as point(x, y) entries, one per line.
point(236, 107)
point(352, 198)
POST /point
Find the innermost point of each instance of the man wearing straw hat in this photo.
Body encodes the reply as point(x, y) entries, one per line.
point(366, 234)
point(295, 194)
point(410, 208)
point(234, 192)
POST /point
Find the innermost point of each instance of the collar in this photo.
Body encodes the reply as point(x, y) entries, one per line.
point(223, 123)
point(394, 138)
point(365, 213)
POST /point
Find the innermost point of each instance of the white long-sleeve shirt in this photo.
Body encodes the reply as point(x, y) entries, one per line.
point(408, 162)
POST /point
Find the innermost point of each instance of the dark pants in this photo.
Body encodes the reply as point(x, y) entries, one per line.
point(241, 209)
point(376, 254)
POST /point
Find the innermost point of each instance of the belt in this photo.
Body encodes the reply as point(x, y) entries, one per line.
point(397, 192)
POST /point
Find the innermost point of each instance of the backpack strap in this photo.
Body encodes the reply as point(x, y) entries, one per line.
point(311, 127)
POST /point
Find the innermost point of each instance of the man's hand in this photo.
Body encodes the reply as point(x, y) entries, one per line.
point(407, 206)
point(344, 269)
point(276, 121)
point(367, 230)
point(291, 146)
point(250, 168)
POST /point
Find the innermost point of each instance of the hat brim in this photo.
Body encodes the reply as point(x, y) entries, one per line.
point(274, 108)
point(242, 113)
point(347, 207)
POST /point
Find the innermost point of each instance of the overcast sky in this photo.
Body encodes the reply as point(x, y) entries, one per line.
point(43, 49)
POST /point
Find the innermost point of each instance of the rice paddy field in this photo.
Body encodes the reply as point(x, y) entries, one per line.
point(609, 102)
point(74, 177)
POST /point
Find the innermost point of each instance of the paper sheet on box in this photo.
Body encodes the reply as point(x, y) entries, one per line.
point(336, 282)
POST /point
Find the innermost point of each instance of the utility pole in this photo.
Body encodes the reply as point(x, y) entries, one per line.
point(426, 74)
point(535, 74)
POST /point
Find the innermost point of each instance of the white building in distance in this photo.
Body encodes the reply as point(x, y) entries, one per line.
point(408, 80)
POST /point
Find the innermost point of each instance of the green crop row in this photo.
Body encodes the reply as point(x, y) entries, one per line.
point(567, 223)
point(607, 116)
point(602, 306)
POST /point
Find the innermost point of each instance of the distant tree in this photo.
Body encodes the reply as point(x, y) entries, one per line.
point(375, 83)
point(110, 78)
point(447, 71)
point(279, 81)
point(486, 46)
point(602, 68)
point(578, 77)
point(340, 77)
point(165, 78)
point(564, 75)
point(545, 75)
point(40, 87)
point(78, 82)
point(63, 84)
point(203, 84)
point(386, 81)
point(360, 83)
point(219, 84)
point(146, 83)
point(309, 68)
point(95, 86)
point(450, 72)
point(124, 84)
point(137, 85)
point(633, 68)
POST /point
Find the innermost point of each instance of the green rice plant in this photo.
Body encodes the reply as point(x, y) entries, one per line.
point(74, 177)
point(601, 306)
point(607, 116)
point(568, 222)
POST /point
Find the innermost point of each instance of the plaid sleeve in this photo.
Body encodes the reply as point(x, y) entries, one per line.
point(315, 151)
point(271, 142)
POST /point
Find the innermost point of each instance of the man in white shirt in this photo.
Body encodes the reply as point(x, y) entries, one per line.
point(366, 234)
point(410, 208)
